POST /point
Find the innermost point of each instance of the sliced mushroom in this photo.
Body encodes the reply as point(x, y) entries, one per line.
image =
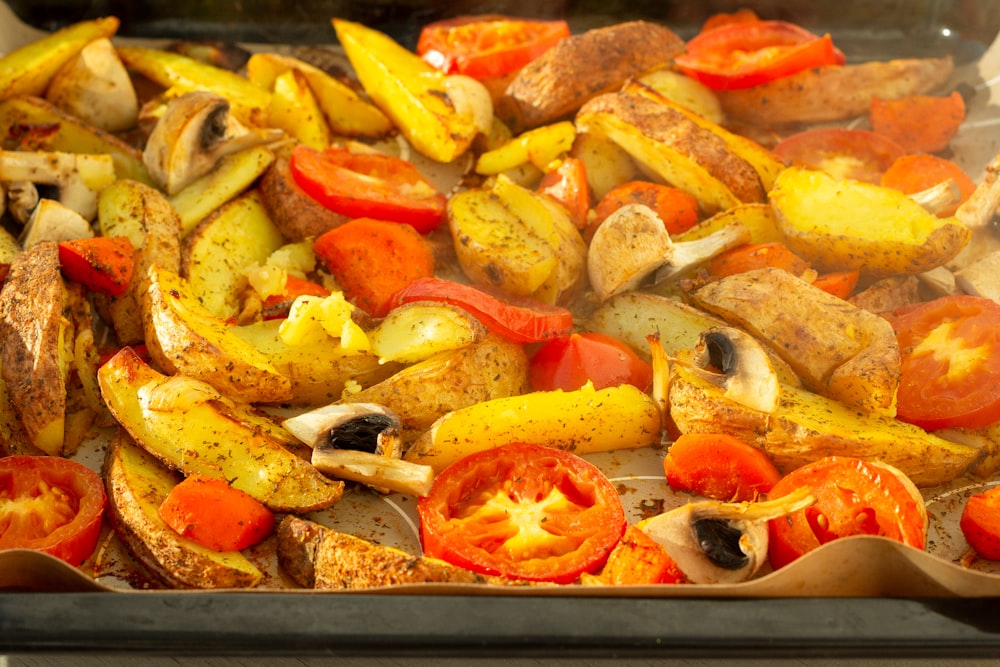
point(361, 442)
point(22, 199)
point(51, 221)
point(735, 361)
point(633, 243)
point(80, 177)
point(721, 543)
point(982, 277)
point(977, 211)
point(195, 131)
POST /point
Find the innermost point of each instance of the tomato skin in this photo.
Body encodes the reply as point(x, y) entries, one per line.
point(487, 46)
point(980, 523)
point(368, 185)
point(746, 54)
point(569, 362)
point(859, 154)
point(522, 511)
point(50, 504)
point(567, 184)
point(518, 319)
point(719, 466)
point(949, 363)
point(853, 497)
point(102, 264)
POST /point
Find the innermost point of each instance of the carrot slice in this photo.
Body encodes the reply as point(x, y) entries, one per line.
point(757, 256)
point(373, 259)
point(913, 173)
point(677, 209)
point(211, 512)
point(718, 466)
point(920, 123)
point(639, 559)
point(838, 283)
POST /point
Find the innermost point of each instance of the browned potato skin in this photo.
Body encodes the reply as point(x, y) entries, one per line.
point(838, 350)
point(833, 93)
point(31, 314)
point(297, 215)
point(672, 128)
point(583, 66)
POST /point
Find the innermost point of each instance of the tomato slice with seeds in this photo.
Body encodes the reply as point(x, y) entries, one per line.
point(949, 363)
point(368, 185)
point(841, 152)
point(50, 504)
point(853, 497)
point(522, 511)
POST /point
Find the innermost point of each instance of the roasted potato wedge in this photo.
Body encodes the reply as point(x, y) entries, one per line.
point(183, 337)
point(137, 485)
point(35, 345)
point(295, 213)
point(673, 147)
point(190, 427)
point(806, 426)
point(832, 93)
point(838, 350)
point(294, 110)
point(557, 83)
point(216, 254)
point(842, 225)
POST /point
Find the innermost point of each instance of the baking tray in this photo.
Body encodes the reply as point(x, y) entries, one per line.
point(831, 602)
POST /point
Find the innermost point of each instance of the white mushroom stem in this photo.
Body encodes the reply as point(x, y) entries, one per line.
point(978, 209)
point(982, 277)
point(23, 198)
point(382, 472)
point(633, 243)
point(938, 197)
point(80, 177)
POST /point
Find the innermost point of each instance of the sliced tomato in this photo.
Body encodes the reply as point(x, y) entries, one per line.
point(518, 319)
point(487, 46)
point(567, 184)
point(858, 154)
point(853, 497)
point(750, 53)
point(50, 504)
point(522, 511)
point(368, 185)
point(949, 363)
point(980, 523)
point(102, 264)
point(570, 362)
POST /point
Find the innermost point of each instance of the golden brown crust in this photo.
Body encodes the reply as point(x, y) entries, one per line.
point(581, 67)
point(295, 213)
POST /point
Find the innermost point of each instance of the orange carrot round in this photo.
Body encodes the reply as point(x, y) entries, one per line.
point(639, 559)
point(718, 466)
point(757, 256)
point(919, 123)
point(211, 512)
point(373, 259)
point(914, 173)
point(677, 209)
point(838, 283)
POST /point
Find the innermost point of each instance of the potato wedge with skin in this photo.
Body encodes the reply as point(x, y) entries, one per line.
point(216, 254)
point(34, 340)
point(583, 421)
point(231, 176)
point(295, 110)
point(838, 350)
point(843, 225)
point(137, 485)
point(318, 372)
point(440, 120)
point(184, 338)
point(142, 214)
point(832, 93)
point(557, 83)
point(28, 69)
point(668, 143)
point(423, 392)
point(71, 136)
point(95, 86)
point(346, 112)
point(295, 213)
point(173, 419)
point(183, 74)
point(806, 426)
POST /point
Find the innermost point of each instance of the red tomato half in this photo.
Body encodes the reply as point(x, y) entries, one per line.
point(569, 362)
point(487, 46)
point(518, 319)
point(950, 363)
point(50, 504)
point(746, 54)
point(368, 185)
point(522, 511)
point(858, 154)
point(853, 497)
